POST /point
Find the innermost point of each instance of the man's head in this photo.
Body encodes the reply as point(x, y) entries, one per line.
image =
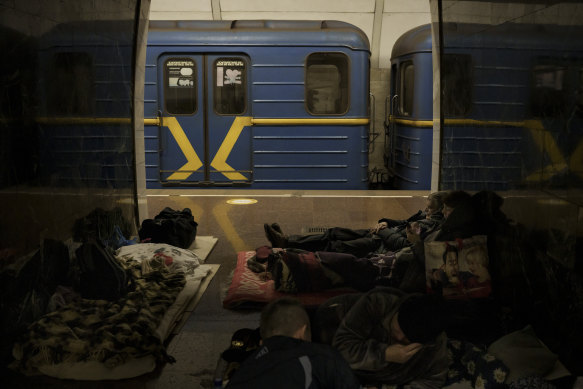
point(287, 317)
point(420, 319)
point(454, 199)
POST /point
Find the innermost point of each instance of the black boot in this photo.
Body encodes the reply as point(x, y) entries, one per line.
point(277, 239)
point(276, 227)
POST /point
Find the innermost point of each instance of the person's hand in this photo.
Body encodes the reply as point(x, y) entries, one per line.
point(378, 227)
point(401, 353)
point(413, 231)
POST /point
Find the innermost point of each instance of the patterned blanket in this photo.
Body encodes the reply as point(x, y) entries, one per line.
point(110, 332)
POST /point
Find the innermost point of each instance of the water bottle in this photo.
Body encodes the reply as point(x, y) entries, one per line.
point(220, 371)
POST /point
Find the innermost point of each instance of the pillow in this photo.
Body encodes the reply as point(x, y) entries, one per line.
point(458, 269)
point(472, 364)
point(524, 354)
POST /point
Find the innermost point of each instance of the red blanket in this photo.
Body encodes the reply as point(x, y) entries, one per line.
point(247, 290)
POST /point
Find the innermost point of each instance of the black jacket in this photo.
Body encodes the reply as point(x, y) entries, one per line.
point(394, 238)
point(287, 363)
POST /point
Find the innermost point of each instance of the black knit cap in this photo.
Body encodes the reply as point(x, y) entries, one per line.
point(243, 343)
point(422, 317)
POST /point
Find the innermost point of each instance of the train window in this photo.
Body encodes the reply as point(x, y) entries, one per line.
point(456, 84)
point(75, 71)
point(326, 85)
point(548, 95)
point(230, 86)
point(180, 86)
point(407, 82)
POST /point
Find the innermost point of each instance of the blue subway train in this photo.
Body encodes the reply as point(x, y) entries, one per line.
point(85, 134)
point(256, 104)
point(511, 102)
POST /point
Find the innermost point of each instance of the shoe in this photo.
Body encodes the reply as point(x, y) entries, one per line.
point(276, 227)
point(277, 239)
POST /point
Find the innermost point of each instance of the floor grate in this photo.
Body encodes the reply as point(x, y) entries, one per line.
point(314, 230)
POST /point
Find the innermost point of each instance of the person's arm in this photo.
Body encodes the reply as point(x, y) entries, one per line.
point(401, 353)
point(355, 337)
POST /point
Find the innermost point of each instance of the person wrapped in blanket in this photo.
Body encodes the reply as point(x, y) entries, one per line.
point(386, 235)
point(388, 337)
point(287, 359)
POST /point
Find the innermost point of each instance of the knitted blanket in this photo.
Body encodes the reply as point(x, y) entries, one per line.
point(110, 333)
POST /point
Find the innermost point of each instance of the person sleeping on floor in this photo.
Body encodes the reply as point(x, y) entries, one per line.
point(313, 263)
point(386, 235)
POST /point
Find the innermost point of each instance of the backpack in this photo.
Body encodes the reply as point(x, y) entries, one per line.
point(105, 225)
point(101, 276)
point(176, 228)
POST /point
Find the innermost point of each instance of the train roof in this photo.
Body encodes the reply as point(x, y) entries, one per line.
point(257, 33)
point(416, 40)
point(485, 36)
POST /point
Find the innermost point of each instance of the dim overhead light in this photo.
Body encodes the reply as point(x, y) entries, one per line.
point(241, 201)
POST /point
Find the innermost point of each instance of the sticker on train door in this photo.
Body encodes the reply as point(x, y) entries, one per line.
point(229, 131)
point(181, 150)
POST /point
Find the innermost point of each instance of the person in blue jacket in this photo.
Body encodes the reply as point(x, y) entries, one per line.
point(287, 359)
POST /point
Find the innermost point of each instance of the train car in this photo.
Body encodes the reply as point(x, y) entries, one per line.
point(256, 104)
point(85, 94)
point(511, 102)
point(409, 125)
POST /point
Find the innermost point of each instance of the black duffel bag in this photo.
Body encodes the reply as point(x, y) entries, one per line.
point(176, 228)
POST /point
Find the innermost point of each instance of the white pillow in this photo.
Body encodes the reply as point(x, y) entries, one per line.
point(524, 354)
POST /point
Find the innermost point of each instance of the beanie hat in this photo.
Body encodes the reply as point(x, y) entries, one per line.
point(421, 318)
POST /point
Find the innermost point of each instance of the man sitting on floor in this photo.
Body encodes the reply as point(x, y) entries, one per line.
point(388, 336)
point(288, 359)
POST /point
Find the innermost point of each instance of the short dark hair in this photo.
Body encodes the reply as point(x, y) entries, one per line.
point(422, 317)
point(456, 198)
point(283, 316)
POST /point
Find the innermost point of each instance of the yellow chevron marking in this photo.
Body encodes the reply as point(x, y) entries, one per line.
point(546, 143)
point(542, 137)
point(576, 161)
point(194, 161)
point(219, 162)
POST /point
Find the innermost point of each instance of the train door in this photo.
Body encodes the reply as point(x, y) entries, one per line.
point(390, 112)
point(400, 106)
point(205, 136)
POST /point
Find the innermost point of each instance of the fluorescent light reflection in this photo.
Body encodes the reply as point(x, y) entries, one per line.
point(241, 201)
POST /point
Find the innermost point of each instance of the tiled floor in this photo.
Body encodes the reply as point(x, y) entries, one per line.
point(239, 227)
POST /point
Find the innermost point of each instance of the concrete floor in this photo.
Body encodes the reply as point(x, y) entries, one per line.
point(240, 227)
point(208, 330)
